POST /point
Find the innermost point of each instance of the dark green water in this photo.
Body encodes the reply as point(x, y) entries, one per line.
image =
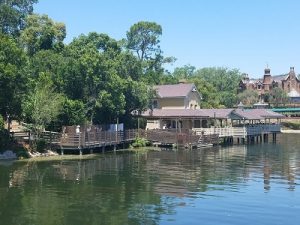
point(257, 184)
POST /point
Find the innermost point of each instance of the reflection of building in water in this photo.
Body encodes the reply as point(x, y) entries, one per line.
point(87, 169)
point(267, 172)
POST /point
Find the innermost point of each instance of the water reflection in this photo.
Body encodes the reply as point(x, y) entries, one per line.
point(138, 188)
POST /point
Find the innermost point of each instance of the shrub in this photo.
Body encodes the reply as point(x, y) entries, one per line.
point(40, 145)
point(140, 142)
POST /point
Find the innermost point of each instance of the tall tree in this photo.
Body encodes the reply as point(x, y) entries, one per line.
point(278, 96)
point(184, 72)
point(12, 77)
point(143, 39)
point(248, 97)
point(42, 33)
point(43, 104)
point(224, 80)
point(13, 14)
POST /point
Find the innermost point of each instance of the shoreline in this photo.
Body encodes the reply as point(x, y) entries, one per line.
point(290, 131)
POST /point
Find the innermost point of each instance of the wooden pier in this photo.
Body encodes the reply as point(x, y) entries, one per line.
point(244, 134)
point(94, 138)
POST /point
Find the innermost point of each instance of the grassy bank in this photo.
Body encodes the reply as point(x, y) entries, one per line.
point(291, 124)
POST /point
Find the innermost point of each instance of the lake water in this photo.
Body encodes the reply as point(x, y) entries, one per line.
point(254, 184)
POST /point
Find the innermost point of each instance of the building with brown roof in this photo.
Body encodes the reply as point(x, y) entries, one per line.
point(287, 82)
point(176, 96)
point(178, 106)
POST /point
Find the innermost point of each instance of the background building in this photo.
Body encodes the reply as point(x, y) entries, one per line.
point(289, 83)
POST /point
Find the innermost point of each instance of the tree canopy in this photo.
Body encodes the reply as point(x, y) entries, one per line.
point(143, 39)
point(13, 14)
point(92, 79)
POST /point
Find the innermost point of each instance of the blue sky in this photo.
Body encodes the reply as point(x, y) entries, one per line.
point(243, 34)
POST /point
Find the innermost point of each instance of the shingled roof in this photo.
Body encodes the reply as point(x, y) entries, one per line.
point(248, 114)
point(175, 113)
point(174, 90)
point(257, 114)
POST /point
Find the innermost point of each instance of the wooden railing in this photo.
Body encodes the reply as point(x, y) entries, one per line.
point(96, 139)
point(183, 137)
point(48, 136)
point(249, 130)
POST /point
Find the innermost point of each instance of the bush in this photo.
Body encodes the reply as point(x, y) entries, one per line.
point(140, 142)
point(40, 145)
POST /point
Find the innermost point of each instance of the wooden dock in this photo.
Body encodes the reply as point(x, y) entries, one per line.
point(244, 134)
point(93, 137)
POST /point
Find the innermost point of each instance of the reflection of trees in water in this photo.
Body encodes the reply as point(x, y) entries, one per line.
point(138, 188)
point(101, 191)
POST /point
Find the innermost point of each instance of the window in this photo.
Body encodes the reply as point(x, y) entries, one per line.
point(197, 124)
point(191, 106)
point(195, 106)
point(155, 104)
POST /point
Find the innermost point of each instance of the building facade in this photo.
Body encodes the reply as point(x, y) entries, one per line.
point(289, 83)
point(178, 107)
point(176, 96)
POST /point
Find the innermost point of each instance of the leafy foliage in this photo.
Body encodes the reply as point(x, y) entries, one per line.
point(13, 14)
point(42, 105)
point(140, 142)
point(218, 86)
point(143, 39)
point(93, 79)
point(248, 97)
point(12, 77)
point(278, 96)
point(42, 33)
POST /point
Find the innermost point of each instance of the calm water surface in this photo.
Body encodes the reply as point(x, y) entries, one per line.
point(256, 184)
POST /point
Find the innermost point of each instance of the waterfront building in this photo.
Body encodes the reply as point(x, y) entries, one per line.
point(177, 106)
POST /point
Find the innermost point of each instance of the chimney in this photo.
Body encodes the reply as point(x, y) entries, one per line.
point(292, 69)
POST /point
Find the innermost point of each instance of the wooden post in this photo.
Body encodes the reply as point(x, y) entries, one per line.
point(50, 140)
point(138, 127)
point(117, 131)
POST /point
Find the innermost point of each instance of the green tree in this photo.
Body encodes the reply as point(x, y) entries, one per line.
point(209, 94)
point(13, 14)
point(225, 81)
point(50, 62)
point(184, 72)
point(278, 96)
point(42, 33)
point(12, 77)
point(143, 39)
point(42, 105)
point(73, 112)
point(248, 97)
